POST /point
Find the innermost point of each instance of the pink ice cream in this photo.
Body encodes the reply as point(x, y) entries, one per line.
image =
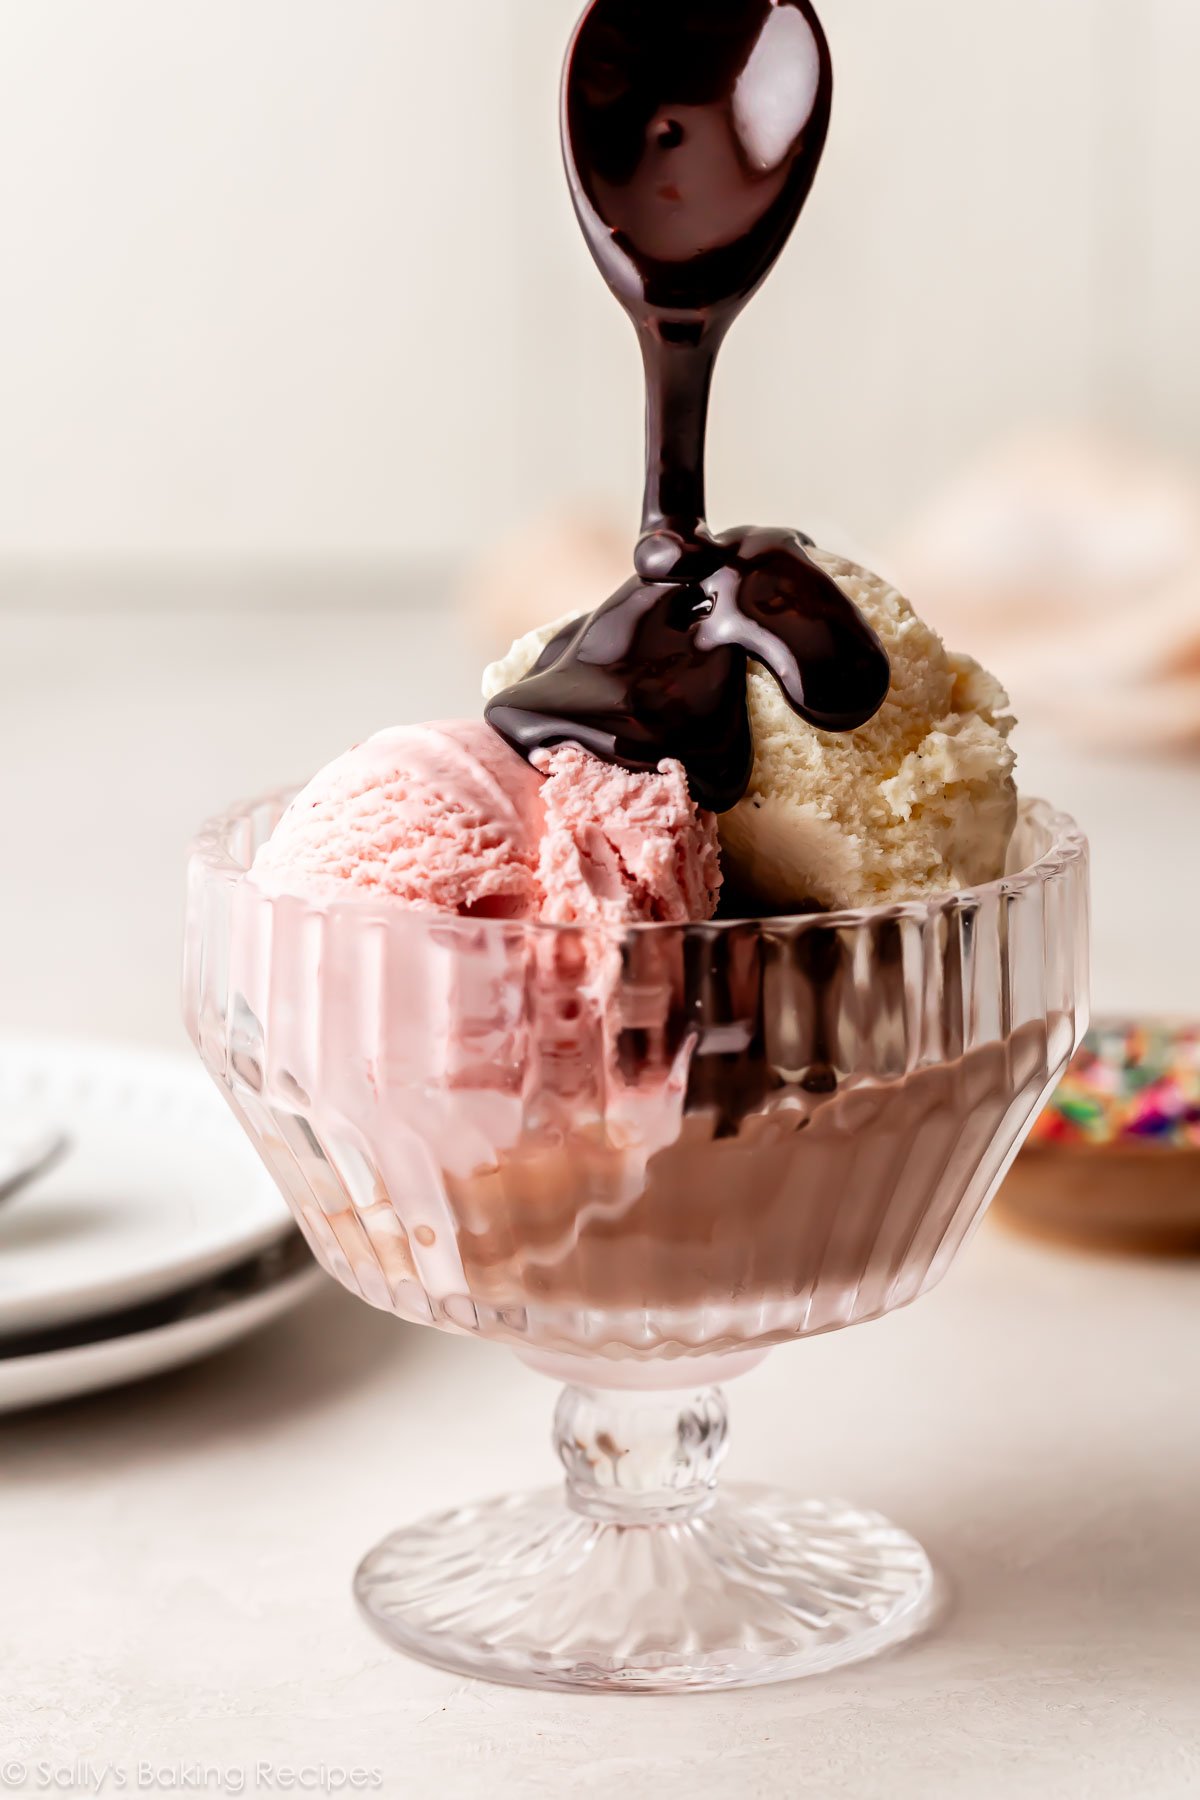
point(623, 847)
point(447, 817)
point(441, 816)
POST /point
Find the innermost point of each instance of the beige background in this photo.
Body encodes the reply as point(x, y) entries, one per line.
point(297, 277)
point(250, 322)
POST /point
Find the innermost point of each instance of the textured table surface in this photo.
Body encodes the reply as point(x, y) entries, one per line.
point(175, 1559)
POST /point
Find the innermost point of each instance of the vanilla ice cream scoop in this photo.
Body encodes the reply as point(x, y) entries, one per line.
point(919, 800)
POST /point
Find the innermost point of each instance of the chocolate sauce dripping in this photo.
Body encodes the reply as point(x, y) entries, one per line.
point(692, 131)
point(729, 1076)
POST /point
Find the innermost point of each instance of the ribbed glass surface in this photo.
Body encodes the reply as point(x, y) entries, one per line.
point(653, 1143)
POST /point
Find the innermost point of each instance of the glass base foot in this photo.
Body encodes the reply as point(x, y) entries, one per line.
point(756, 1587)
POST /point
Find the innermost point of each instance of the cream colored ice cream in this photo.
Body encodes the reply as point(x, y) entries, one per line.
point(919, 800)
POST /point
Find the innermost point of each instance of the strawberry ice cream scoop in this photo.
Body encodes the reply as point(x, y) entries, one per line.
point(622, 847)
point(448, 818)
point(441, 816)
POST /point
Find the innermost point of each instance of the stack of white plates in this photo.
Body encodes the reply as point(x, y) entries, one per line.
point(156, 1237)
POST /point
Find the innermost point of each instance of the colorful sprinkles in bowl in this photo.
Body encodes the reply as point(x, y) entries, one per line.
point(1132, 1084)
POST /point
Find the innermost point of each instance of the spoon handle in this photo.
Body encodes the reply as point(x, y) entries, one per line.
point(679, 361)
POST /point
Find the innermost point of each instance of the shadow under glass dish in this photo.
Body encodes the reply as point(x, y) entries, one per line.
point(640, 1157)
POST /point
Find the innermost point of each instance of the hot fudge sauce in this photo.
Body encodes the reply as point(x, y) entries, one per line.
point(692, 131)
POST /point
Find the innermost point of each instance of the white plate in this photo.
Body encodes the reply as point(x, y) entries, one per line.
point(206, 1318)
point(160, 1187)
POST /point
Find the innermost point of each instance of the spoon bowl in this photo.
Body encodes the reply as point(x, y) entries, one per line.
point(692, 131)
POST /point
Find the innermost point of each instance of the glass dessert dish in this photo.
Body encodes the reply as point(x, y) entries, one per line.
point(640, 1157)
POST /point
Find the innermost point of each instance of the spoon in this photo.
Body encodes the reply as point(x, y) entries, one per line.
point(692, 131)
point(26, 1159)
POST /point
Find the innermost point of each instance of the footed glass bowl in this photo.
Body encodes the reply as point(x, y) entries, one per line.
point(640, 1157)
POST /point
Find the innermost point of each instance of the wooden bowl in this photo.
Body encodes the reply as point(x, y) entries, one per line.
point(1114, 1164)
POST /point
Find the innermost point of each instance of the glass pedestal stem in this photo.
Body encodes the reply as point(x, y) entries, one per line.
point(641, 1458)
point(646, 1577)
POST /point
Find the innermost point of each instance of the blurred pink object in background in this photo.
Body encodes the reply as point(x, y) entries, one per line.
point(567, 562)
point(1070, 562)
point(546, 568)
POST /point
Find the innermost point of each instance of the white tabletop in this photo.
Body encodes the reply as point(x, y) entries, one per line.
point(178, 1558)
point(175, 1559)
